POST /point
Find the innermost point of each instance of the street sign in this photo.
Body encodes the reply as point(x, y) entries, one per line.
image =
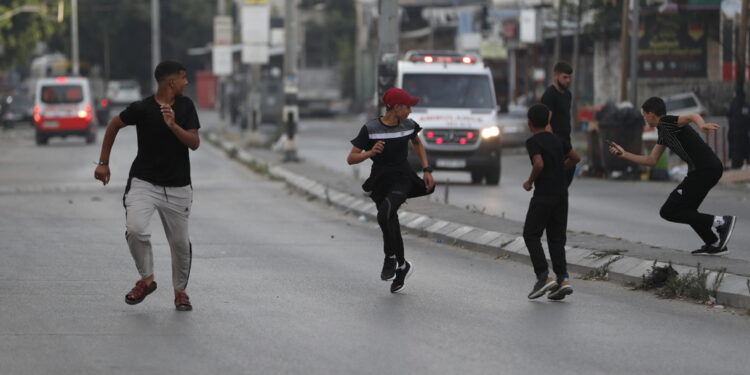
point(255, 53)
point(221, 58)
point(256, 25)
point(222, 30)
point(531, 26)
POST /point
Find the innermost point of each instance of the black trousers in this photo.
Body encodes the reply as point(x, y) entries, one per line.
point(389, 187)
point(393, 244)
point(682, 204)
point(570, 172)
point(548, 213)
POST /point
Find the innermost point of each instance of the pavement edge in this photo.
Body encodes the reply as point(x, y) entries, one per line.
point(734, 290)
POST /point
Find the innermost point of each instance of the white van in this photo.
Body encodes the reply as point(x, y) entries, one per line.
point(63, 106)
point(457, 110)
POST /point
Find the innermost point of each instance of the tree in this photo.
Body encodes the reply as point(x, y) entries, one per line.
point(118, 32)
point(20, 34)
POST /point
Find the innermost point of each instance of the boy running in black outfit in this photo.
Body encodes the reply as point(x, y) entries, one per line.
point(704, 171)
point(548, 209)
point(386, 140)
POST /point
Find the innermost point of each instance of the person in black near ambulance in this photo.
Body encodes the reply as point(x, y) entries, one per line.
point(704, 171)
point(385, 140)
point(167, 127)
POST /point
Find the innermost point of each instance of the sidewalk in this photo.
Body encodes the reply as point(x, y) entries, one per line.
point(489, 234)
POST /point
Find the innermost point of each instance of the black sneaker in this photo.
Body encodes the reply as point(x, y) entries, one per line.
point(389, 269)
point(401, 275)
point(725, 230)
point(560, 290)
point(542, 286)
point(710, 250)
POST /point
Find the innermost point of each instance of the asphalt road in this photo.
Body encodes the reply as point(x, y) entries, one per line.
point(621, 209)
point(281, 284)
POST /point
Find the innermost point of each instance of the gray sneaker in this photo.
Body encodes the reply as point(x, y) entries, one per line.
point(401, 275)
point(711, 250)
point(725, 230)
point(389, 269)
point(542, 286)
point(560, 290)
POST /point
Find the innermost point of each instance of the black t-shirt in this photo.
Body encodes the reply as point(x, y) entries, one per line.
point(687, 144)
point(162, 159)
point(552, 180)
point(396, 140)
point(559, 103)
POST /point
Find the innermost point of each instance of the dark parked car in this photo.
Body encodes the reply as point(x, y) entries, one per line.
point(16, 109)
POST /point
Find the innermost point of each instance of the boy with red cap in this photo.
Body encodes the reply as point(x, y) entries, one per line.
point(385, 140)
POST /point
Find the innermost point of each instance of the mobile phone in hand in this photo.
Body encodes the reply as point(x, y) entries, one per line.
point(611, 144)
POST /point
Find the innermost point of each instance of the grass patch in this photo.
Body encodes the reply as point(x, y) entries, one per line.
point(602, 272)
point(603, 253)
point(694, 285)
point(474, 209)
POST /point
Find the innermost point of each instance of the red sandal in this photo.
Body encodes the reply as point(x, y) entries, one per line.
point(139, 292)
point(182, 302)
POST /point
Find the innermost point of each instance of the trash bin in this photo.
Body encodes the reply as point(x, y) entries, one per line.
point(623, 125)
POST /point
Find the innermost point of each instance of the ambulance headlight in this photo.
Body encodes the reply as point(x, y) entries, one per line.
point(492, 131)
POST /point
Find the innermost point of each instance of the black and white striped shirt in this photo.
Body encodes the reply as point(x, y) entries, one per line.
point(687, 144)
point(396, 140)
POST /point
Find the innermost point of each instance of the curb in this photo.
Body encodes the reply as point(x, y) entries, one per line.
point(734, 290)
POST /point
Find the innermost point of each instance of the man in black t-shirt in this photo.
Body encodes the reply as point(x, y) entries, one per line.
point(167, 126)
point(558, 99)
point(704, 171)
point(385, 140)
point(548, 209)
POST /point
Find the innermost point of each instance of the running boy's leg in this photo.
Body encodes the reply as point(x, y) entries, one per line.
point(557, 225)
point(174, 211)
point(389, 224)
point(682, 204)
point(536, 220)
point(139, 207)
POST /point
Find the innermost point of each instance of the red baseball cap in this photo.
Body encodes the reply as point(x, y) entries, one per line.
point(397, 96)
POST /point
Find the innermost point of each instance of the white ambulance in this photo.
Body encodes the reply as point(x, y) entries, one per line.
point(457, 110)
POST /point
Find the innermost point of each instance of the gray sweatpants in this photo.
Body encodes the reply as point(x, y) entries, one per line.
point(173, 205)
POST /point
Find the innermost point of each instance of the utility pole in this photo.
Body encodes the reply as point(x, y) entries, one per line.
point(624, 60)
point(74, 37)
point(635, 15)
point(291, 109)
point(221, 10)
point(558, 32)
point(739, 100)
point(388, 27)
point(741, 52)
point(576, 63)
point(388, 31)
point(155, 39)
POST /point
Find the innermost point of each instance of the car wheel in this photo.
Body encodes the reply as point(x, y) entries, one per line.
point(476, 177)
point(493, 174)
point(41, 139)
